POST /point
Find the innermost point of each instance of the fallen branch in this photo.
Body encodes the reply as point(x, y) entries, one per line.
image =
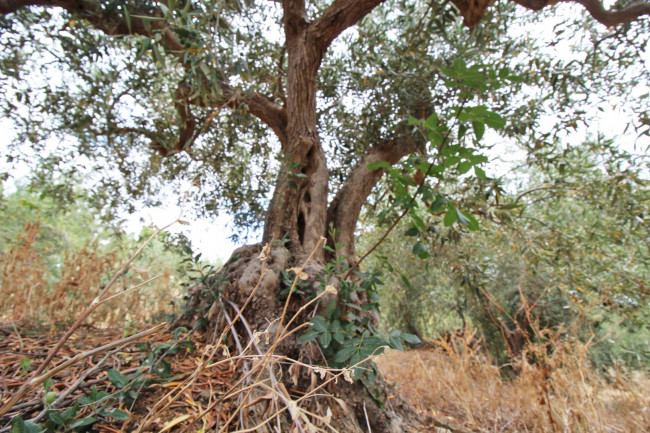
point(31, 384)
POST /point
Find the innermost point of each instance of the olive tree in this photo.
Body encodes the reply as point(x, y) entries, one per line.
point(288, 114)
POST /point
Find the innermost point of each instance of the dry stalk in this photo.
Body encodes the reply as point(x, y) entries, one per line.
point(77, 383)
point(280, 328)
point(346, 373)
point(35, 381)
point(180, 388)
point(89, 309)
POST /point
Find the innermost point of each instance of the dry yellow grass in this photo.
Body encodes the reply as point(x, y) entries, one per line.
point(28, 293)
point(560, 394)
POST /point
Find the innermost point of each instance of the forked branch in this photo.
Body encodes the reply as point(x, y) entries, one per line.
point(345, 209)
point(340, 15)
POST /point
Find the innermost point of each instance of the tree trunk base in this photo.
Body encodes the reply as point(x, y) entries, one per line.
point(284, 380)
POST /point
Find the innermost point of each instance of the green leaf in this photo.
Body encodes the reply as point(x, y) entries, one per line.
point(18, 425)
point(432, 121)
point(480, 173)
point(308, 336)
point(319, 324)
point(82, 422)
point(325, 339)
point(344, 354)
point(470, 221)
point(127, 16)
point(25, 363)
point(451, 216)
point(413, 121)
point(438, 204)
point(494, 120)
point(117, 378)
point(337, 332)
point(464, 167)
point(419, 223)
point(410, 338)
point(395, 343)
point(462, 219)
point(462, 129)
point(479, 129)
point(47, 384)
point(452, 160)
point(56, 418)
point(377, 165)
point(481, 114)
point(397, 175)
point(413, 231)
point(371, 345)
point(115, 414)
point(420, 250)
point(435, 137)
point(70, 412)
point(478, 159)
point(460, 65)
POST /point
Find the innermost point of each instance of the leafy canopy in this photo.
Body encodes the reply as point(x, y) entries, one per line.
point(84, 94)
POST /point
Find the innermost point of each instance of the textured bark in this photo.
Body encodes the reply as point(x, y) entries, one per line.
point(299, 206)
point(299, 202)
point(353, 408)
point(343, 213)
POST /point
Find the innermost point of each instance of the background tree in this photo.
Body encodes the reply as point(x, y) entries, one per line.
point(308, 99)
point(562, 253)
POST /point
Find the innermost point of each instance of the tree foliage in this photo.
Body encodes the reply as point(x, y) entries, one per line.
point(167, 92)
point(565, 249)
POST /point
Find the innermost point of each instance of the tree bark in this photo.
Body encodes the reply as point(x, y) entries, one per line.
point(343, 213)
point(299, 203)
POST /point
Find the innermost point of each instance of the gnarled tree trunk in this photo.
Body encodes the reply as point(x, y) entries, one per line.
point(298, 218)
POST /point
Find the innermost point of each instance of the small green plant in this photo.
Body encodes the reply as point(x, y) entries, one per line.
point(345, 330)
point(25, 364)
point(19, 425)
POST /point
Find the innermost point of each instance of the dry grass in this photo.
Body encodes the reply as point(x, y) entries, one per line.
point(560, 393)
point(256, 399)
point(29, 294)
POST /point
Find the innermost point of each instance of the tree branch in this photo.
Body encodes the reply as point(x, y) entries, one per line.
point(596, 10)
point(260, 106)
point(104, 19)
point(107, 21)
point(614, 17)
point(340, 15)
point(345, 209)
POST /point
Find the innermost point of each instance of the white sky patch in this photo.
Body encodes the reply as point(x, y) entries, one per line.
point(209, 236)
